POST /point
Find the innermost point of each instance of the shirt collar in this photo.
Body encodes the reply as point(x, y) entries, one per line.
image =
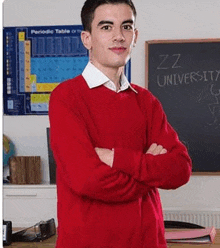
point(94, 78)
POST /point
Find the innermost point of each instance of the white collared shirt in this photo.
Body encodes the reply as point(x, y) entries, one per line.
point(94, 78)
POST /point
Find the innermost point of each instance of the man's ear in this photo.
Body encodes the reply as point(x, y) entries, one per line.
point(86, 39)
point(136, 36)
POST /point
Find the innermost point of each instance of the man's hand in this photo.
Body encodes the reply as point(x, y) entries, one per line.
point(155, 149)
point(105, 155)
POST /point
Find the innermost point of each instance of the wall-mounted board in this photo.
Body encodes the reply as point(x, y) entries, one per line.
point(35, 60)
point(185, 76)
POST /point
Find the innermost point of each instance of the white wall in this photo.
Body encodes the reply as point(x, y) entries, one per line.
point(29, 136)
point(157, 19)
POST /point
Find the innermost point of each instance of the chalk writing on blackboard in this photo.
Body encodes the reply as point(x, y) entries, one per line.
point(165, 57)
point(185, 76)
point(169, 62)
point(211, 95)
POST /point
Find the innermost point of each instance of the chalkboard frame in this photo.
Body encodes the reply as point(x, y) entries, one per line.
point(147, 49)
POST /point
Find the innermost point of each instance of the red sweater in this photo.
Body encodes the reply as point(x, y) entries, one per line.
point(118, 207)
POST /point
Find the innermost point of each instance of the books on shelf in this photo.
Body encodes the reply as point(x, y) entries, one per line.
point(25, 170)
point(204, 236)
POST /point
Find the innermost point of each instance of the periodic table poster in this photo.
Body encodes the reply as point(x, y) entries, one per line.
point(35, 60)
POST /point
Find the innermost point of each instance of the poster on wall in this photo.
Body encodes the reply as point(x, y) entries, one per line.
point(35, 60)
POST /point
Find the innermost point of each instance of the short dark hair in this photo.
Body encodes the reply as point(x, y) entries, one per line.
point(89, 7)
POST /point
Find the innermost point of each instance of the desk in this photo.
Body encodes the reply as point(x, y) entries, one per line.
point(51, 243)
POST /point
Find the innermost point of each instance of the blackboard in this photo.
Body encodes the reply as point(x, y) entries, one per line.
point(185, 76)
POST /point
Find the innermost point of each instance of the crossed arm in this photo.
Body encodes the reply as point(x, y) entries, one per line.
point(107, 155)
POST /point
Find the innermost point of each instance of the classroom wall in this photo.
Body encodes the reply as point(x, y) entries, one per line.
point(157, 19)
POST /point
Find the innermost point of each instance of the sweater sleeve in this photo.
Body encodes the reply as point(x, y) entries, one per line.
point(77, 162)
point(166, 171)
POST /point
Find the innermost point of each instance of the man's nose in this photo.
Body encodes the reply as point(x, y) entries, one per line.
point(118, 35)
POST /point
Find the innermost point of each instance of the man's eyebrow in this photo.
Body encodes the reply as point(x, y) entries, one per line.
point(105, 22)
point(128, 21)
point(111, 23)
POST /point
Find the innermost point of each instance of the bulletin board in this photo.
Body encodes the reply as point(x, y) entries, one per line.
point(185, 76)
point(35, 60)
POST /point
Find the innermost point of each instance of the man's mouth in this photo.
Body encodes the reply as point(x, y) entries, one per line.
point(118, 50)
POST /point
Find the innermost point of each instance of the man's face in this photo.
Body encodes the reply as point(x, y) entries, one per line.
point(112, 36)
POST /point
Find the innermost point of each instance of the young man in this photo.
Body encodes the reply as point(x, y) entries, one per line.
point(112, 143)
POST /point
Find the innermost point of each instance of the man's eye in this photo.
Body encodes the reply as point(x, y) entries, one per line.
point(106, 27)
point(128, 27)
